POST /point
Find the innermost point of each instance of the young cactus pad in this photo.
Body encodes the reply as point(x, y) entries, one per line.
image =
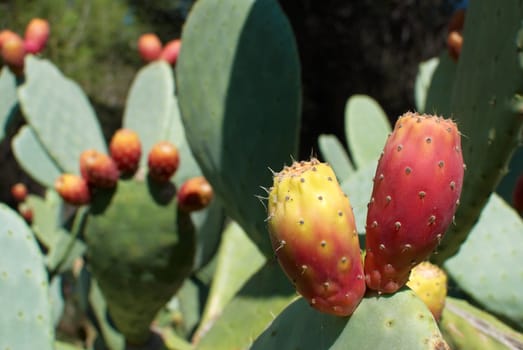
point(313, 234)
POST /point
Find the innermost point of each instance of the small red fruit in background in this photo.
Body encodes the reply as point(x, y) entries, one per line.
point(73, 189)
point(98, 169)
point(36, 35)
point(163, 161)
point(126, 149)
point(19, 192)
point(13, 51)
point(455, 34)
point(4, 35)
point(171, 51)
point(149, 47)
point(195, 194)
point(26, 212)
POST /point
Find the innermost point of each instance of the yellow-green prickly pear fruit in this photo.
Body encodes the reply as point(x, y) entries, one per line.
point(429, 282)
point(314, 236)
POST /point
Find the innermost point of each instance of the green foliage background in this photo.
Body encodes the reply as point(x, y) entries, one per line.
point(94, 41)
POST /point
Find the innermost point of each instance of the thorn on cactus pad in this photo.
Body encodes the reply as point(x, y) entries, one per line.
point(399, 148)
point(422, 194)
point(408, 170)
point(432, 219)
point(397, 225)
point(428, 140)
point(441, 164)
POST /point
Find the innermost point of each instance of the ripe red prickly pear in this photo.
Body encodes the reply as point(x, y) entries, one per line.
point(415, 195)
point(163, 161)
point(36, 35)
point(194, 194)
point(73, 189)
point(314, 236)
point(429, 282)
point(13, 52)
point(6, 34)
point(98, 169)
point(126, 150)
point(171, 51)
point(149, 47)
point(19, 192)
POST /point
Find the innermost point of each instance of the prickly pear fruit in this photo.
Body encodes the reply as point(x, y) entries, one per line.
point(163, 161)
point(36, 35)
point(19, 192)
point(26, 212)
point(13, 51)
point(314, 236)
point(171, 51)
point(73, 189)
point(429, 282)
point(126, 149)
point(98, 169)
point(194, 194)
point(149, 47)
point(455, 34)
point(4, 35)
point(415, 195)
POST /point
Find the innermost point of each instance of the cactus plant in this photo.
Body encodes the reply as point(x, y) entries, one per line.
point(243, 87)
point(154, 275)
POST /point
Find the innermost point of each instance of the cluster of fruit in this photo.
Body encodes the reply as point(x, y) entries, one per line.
point(416, 192)
point(151, 49)
point(101, 171)
point(14, 48)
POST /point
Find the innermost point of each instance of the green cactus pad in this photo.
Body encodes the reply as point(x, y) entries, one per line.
point(466, 327)
point(240, 105)
point(423, 82)
point(9, 100)
point(335, 154)
point(60, 114)
point(149, 105)
point(26, 321)
point(152, 111)
point(439, 94)
point(398, 321)
point(253, 308)
point(46, 216)
point(33, 157)
point(490, 258)
point(231, 272)
point(488, 79)
point(366, 129)
point(359, 188)
point(140, 252)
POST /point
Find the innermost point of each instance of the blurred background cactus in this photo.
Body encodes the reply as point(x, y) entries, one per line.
point(135, 268)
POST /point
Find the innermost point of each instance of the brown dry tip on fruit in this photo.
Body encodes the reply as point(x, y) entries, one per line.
point(163, 161)
point(126, 149)
point(149, 47)
point(73, 189)
point(19, 192)
point(98, 169)
point(194, 194)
